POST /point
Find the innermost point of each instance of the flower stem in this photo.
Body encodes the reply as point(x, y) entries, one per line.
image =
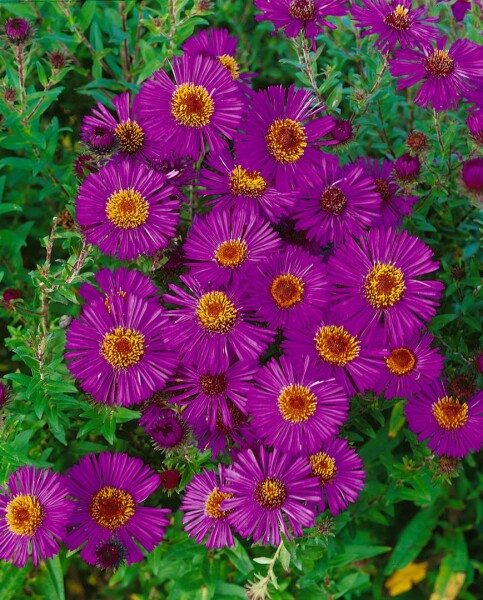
point(438, 130)
point(21, 76)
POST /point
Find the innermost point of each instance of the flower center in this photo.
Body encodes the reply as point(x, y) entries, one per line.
point(449, 413)
point(192, 105)
point(440, 63)
point(401, 361)
point(384, 286)
point(213, 385)
point(123, 348)
point(333, 200)
point(111, 507)
point(270, 493)
point(335, 345)
point(231, 254)
point(130, 136)
point(24, 515)
point(297, 403)
point(304, 10)
point(216, 312)
point(127, 209)
point(230, 64)
point(398, 18)
point(287, 290)
point(286, 140)
point(247, 183)
point(383, 189)
point(213, 503)
point(110, 554)
point(323, 467)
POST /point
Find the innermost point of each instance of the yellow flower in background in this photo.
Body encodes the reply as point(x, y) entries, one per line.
point(404, 579)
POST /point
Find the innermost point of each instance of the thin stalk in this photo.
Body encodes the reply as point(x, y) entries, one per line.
point(21, 76)
point(438, 130)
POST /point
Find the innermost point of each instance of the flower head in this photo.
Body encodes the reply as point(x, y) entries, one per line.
point(407, 168)
point(34, 514)
point(472, 175)
point(17, 30)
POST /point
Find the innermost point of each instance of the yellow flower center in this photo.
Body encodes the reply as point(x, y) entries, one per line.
point(213, 503)
point(230, 64)
point(297, 403)
point(192, 105)
point(216, 312)
point(286, 140)
point(401, 361)
point(333, 200)
point(336, 345)
point(130, 136)
point(24, 515)
point(304, 10)
point(231, 254)
point(111, 507)
point(323, 467)
point(287, 290)
point(270, 493)
point(127, 209)
point(398, 18)
point(450, 413)
point(122, 347)
point(384, 286)
point(440, 63)
point(247, 183)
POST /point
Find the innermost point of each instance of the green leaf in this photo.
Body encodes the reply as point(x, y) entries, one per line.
point(86, 14)
point(54, 571)
point(284, 557)
point(263, 560)
point(441, 320)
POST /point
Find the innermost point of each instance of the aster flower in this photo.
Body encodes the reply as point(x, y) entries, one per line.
point(475, 126)
point(417, 142)
point(339, 349)
point(337, 202)
point(407, 168)
point(281, 136)
point(472, 175)
point(213, 321)
point(100, 140)
point(120, 355)
point(208, 396)
point(376, 281)
point(222, 246)
point(127, 210)
point(168, 432)
point(340, 474)
point(446, 74)
point(108, 490)
point(294, 409)
point(202, 106)
point(18, 30)
point(294, 15)
point(395, 21)
point(461, 7)
point(452, 427)
point(394, 205)
point(121, 282)
point(410, 364)
point(272, 493)
point(34, 513)
point(202, 510)
point(236, 186)
point(289, 288)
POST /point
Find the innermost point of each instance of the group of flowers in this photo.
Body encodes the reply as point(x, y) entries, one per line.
point(296, 291)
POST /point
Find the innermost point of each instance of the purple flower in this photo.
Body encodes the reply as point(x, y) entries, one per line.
point(119, 352)
point(202, 509)
point(472, 174)
point(211, 323)
point(341, 352)
point(99, 139)
point(395, 21)
point(461, 7)
point(342, 132)
point(272, 493)
point(340, 474)
point(475, 125)
point(376, 281)
point(407, 168)
point(34, 514)
point(202, 106)
point(410, 364)
point(294, 409)
point(236, 186)
point(289, 288)
point(208, 396)
point(108, 490)
point(17, 30)
point(127, 210)
point(223, 245)
point(453, 428)
point(294, 15)
point(394, 205)
point(168, 431)
point(121, 282)
point(446, 74)
point(282, 136)
point(337, 202)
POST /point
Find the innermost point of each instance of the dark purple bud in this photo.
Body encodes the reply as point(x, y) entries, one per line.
point(10, 295)
point(472, 174)
point(475, 125)
point(17, 30)
point(169, 479)
point(407, 167)
point(110, 554)
point(342, 130)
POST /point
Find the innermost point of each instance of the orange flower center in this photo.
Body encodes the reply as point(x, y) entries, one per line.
point(192, 105)
point(24, 515)
point(270, 493)
point(297, 403)
point(286, 140)
point(335, 345)
point(111, 507)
